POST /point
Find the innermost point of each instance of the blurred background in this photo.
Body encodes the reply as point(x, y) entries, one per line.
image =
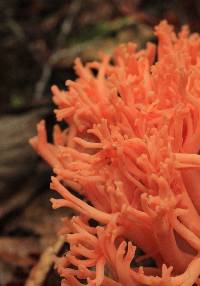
point(39, 41)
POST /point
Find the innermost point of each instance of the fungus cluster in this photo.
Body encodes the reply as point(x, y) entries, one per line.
point(130, 155)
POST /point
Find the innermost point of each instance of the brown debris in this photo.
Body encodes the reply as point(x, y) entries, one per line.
point(19, 251)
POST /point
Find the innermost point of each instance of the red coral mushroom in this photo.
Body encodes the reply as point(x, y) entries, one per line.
point(131, 149)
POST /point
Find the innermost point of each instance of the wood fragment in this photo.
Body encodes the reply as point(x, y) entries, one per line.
point(17, 159)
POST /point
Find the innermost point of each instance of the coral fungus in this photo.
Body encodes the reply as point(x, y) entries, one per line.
point(131, 151)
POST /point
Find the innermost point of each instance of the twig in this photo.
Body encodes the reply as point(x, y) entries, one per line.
point(40, 271)
point(64, 31)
